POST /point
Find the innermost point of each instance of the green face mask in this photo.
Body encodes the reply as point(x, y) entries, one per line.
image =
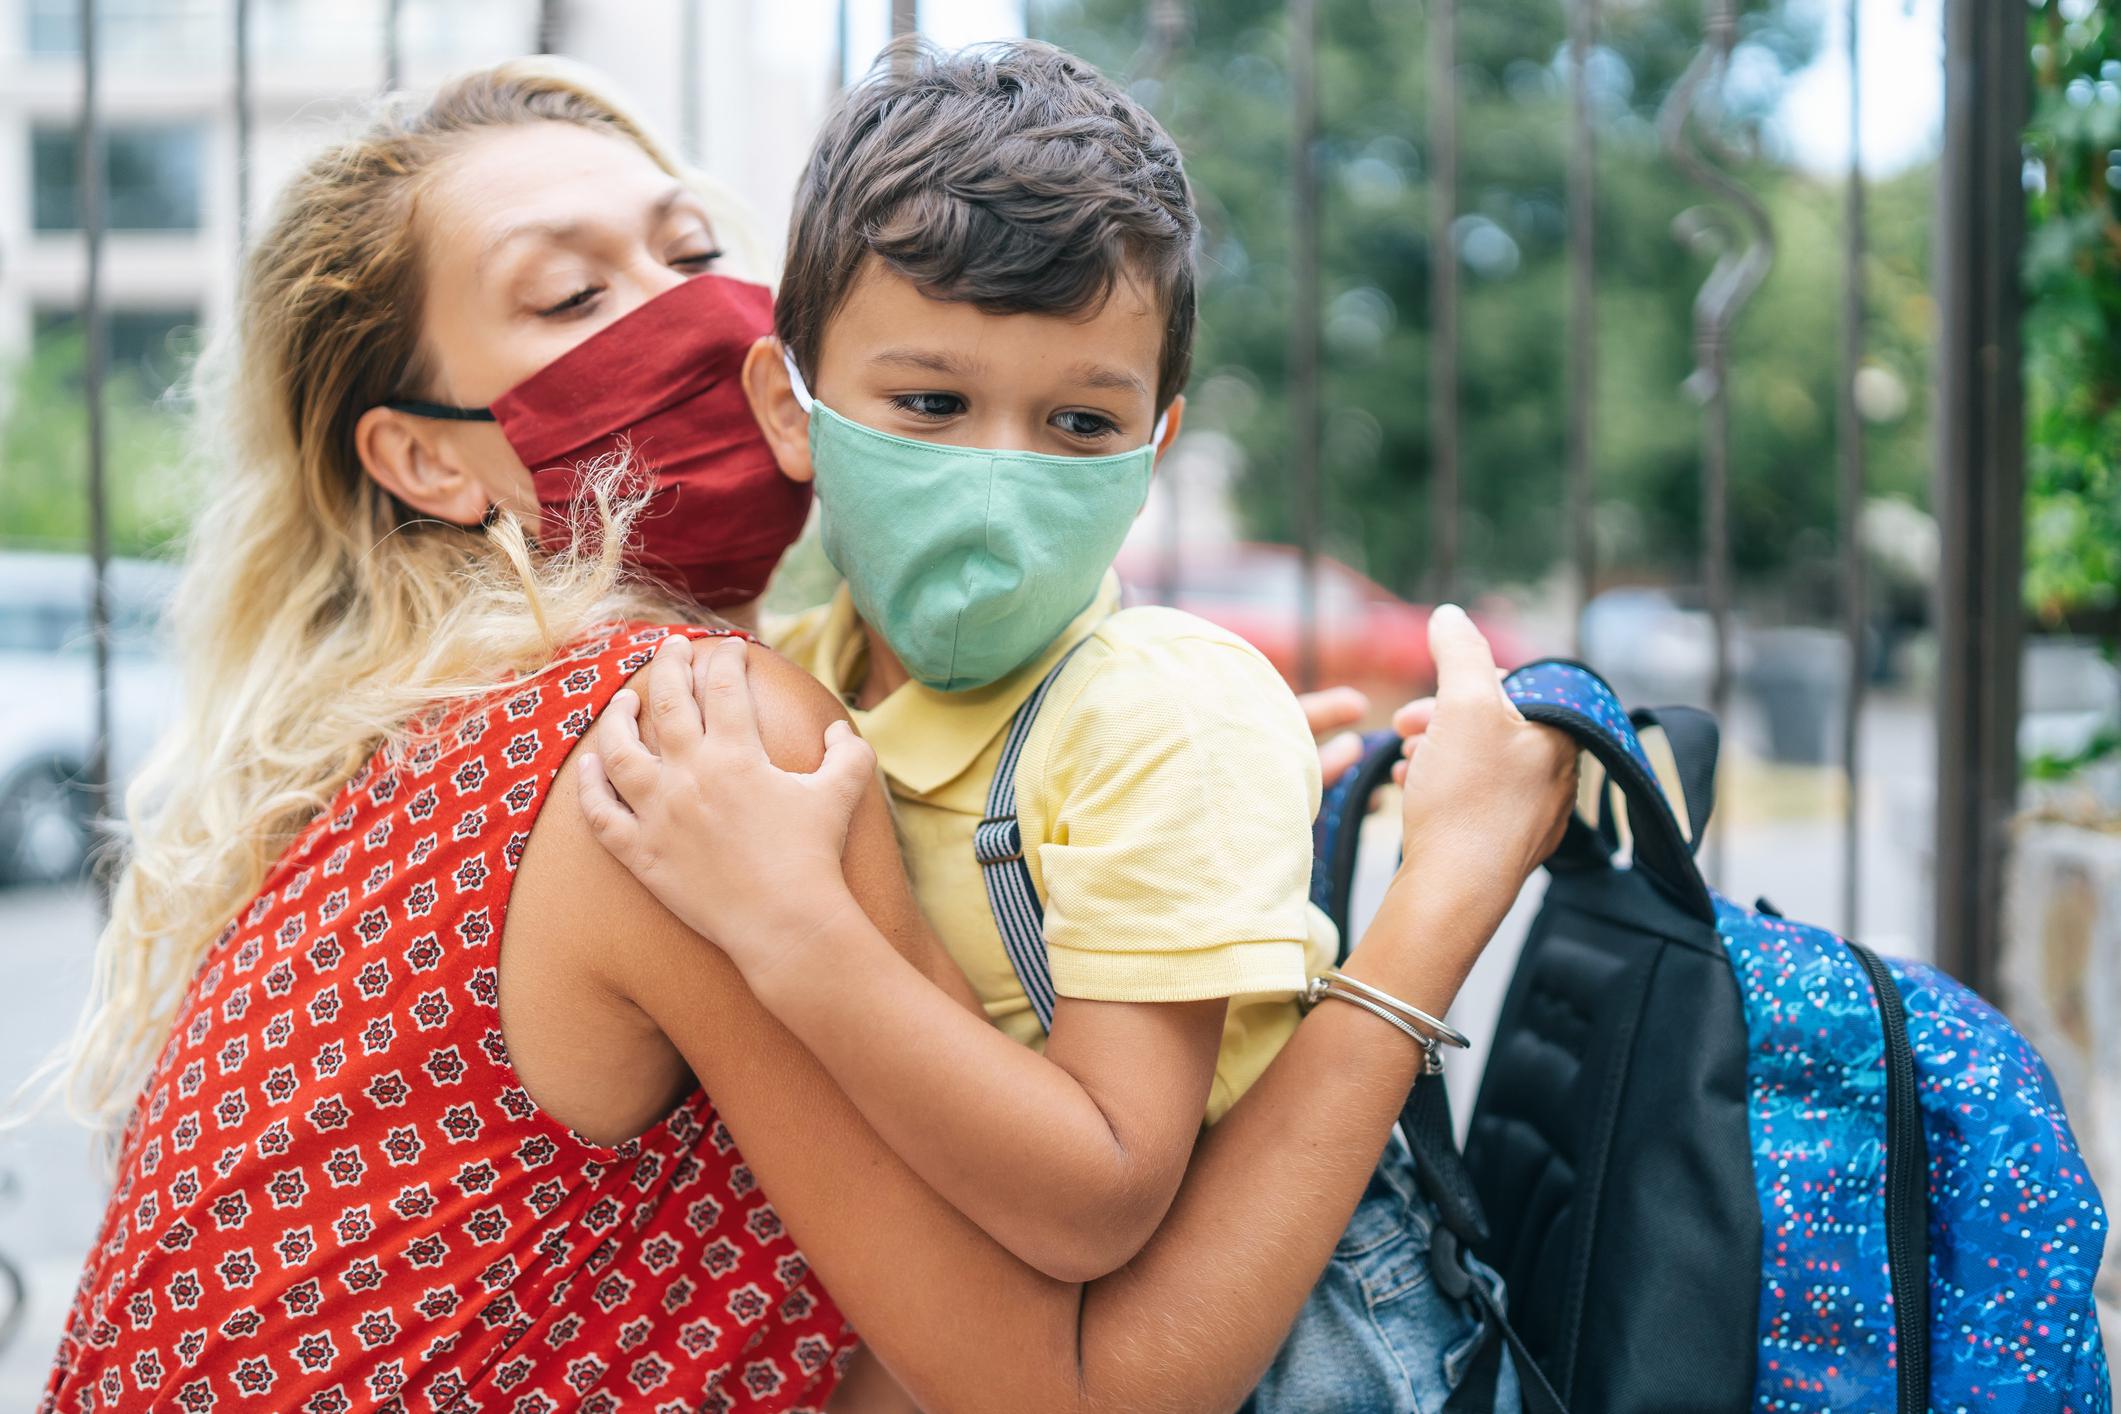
point(968, 562)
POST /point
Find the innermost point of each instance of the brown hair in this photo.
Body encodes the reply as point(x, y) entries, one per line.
point(1012, 176)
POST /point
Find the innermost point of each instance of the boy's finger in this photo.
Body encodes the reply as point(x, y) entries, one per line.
point(617, 740)
point(1338, 757)
point(849, 766)
point(609, 820)
point(670, 702)
point(726, 709)
point(1332, 708)
point(1465, 668)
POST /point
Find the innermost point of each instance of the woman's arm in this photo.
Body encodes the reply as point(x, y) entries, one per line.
point(1069, 1159)
point(1194, 1318)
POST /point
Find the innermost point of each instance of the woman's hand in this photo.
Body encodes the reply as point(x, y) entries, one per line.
point(745, 853)
point(1487, 793)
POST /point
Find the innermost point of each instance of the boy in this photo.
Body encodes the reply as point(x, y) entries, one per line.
point(984, 326)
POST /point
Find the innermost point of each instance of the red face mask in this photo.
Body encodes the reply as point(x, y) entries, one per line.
point(661, 386)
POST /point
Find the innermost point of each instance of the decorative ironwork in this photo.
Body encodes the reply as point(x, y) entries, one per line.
point(1745, 250)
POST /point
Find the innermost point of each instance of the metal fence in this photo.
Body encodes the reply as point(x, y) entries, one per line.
point(1979, 454)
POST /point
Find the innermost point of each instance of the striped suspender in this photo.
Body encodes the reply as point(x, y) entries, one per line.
point(998, 844)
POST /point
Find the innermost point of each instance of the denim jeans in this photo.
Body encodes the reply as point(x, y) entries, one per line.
point(1377, 1335)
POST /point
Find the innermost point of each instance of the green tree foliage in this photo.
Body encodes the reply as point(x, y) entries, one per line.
point(2073, 318)
point(44, 455)
point(1224, 96)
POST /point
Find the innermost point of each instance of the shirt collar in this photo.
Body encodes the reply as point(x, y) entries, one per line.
point(923, 738)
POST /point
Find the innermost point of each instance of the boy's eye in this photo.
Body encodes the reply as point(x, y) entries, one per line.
point(929, 405)
point(1088, 426)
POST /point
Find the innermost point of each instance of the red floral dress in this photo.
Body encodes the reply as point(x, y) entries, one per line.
point(335, 1194)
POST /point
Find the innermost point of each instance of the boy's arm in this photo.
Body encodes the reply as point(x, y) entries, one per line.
point(1069, 1161)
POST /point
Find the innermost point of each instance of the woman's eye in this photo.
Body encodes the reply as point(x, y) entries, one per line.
point(573, 302)
point(698, 260)
point(930, 405)
point(1088, 426)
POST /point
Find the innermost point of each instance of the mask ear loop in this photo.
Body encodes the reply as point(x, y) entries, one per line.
point(796, 383)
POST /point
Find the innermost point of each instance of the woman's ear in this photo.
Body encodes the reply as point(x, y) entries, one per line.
point(781, 418)
point(412, 459)
point(1174, 418)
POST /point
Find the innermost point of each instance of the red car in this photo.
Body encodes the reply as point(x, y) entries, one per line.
point(1368, 637)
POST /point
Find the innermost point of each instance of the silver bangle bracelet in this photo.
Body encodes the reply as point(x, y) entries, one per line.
point(1322, 989)
point(1439, 1032)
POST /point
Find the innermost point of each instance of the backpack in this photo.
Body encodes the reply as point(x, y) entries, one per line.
point(1717, 1156)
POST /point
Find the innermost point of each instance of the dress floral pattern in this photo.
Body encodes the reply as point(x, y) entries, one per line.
point(334, 1194)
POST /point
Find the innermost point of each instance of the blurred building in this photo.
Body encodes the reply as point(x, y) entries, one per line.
point(740, 85)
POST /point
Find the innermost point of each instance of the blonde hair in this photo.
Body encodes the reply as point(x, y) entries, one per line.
point(317, 615)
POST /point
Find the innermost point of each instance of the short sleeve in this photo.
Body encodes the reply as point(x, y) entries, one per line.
point(1166, 795)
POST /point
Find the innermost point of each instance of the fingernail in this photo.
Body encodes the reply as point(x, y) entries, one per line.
point(1442, 609)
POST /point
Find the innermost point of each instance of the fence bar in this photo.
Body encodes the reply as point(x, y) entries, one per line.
point(548, 26)
point(1980, 488)
point(1304, 420)
point(689, 125)
point(1443, 299)
point(1167, 26)
point(239, 98)
point(1583, 290)
point(905, 20)
point(96, 330)
point(1849, 430)
point(394, 45)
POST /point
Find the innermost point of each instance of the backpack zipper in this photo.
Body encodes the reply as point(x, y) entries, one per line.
point(1906, 1191)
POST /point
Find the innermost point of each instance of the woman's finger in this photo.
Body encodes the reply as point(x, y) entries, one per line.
point(670, 702)
point(726, 709)
point(1465, 668)
point(1413, 719)
point(609, 820)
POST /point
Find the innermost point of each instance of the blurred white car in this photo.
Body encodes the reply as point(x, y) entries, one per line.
point(47, 701)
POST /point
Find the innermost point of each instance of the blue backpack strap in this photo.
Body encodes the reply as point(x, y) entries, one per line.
point(998, 845)
point(1568, 695)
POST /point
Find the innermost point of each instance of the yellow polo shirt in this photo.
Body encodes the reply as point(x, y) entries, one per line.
point(1165, 796)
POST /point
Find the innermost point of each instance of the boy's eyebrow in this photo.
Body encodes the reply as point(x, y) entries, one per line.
point(928, 361)
point(1098, 375)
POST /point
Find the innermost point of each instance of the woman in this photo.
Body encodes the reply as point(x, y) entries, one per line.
point(414, 1079)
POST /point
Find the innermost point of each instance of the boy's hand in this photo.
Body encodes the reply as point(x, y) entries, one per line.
point(746, 854)
point(1335, 709)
